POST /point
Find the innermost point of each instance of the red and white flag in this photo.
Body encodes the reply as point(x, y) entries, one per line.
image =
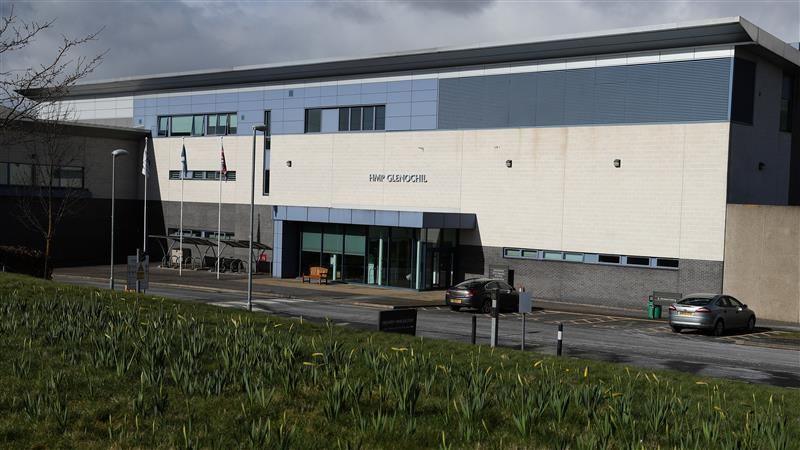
point(223, 168)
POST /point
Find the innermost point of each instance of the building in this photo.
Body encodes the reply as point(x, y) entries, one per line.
point(594, 168)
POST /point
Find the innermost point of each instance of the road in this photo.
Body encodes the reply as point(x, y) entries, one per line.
point(637, 342)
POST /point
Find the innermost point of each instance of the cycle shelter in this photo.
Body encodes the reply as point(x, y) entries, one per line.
point(206, 251)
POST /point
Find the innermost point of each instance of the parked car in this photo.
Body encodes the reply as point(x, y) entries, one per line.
point(477, 293)
point(713, 312)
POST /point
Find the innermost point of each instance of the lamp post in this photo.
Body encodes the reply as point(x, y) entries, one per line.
point(114, 154)
point(261, 128)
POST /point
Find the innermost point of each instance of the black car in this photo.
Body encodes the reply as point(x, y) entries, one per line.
point(477, 293)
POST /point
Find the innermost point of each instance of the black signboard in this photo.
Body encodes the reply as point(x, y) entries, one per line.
point(499, 273)
point(398, 321)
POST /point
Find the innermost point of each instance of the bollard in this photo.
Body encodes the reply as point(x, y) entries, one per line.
point(138, 260)
point(494, 319)
point(474, 328)
point(522, 344)
point(560, 336)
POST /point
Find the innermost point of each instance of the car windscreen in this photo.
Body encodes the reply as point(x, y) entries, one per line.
point(468, 284)
point(695, 301)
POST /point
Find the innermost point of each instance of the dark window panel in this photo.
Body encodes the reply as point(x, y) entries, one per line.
point(313, 120)
point(355, 119)
point(744, 82)
point(344, 119)
point(368, 118)
point(380, 117)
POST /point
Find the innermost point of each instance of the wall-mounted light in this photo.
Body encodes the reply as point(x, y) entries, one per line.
point(617, 163)
point(509, 163)
point(761, 165)
point(289, 163)
point(421, 148)
point(497, 147)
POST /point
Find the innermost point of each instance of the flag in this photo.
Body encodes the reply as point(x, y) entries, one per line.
point(223, 168)
point(184, 170)
point(145, 162)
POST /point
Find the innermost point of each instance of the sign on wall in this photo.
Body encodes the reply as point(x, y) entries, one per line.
point(397, 178)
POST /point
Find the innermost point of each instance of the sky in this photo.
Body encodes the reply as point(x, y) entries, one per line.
point(149, 37)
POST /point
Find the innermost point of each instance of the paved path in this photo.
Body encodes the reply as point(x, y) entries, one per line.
point(618, 339)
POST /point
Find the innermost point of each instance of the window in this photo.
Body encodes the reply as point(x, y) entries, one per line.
point(313, 120)
point(744, 83)
point(735, 303)
point(268, 131)
point(163, 126)
point(638, 261)
point(530, 254)
point(667, 263)
point(20, 174)
point(787, 92)
point(181, 126)
point(212, 175)
point(608, 259)
point(552, 255)
point(3, 174)
point(573, 257)
point(512, 253)
point(266, 182)
point(197, 125)
point(366, 118)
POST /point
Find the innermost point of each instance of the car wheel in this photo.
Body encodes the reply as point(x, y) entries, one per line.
point(719, 328)
point(486, 307)
point(676, 329)
point(751, 324)
point(455, 308)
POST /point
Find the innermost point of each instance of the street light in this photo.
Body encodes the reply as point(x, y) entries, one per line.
point(261, 128)
point(114, 154)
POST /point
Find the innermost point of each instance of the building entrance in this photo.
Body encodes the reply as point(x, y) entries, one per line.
point(381, 256)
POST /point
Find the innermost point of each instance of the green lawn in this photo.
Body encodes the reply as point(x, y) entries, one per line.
point(84, 367)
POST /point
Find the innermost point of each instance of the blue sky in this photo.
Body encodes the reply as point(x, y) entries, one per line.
point(146, 37)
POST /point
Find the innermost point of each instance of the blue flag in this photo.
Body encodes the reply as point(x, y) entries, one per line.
point(184, 170)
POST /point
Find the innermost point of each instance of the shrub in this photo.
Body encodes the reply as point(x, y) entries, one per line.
point(23, 260)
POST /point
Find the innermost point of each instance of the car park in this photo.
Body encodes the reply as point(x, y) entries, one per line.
point(477, 293)
point(716, 313)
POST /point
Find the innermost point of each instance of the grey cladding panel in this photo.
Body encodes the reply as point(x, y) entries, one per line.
point(682, 91)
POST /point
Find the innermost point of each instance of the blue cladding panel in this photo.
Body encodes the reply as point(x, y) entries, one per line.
point(374, 88)
point(427, 83)
point(681, 91)
point(293, 127)
point(550, 99)
point(399, 97)
point(370, 99)
point(387, 218)
point(423, 122)
point(398, 123)
point(363, 217)
point(349, 89)
point(251, 96)
point(341, 215)
point(317, 214)
point(410, 219)
point(294, 102)
point(579, 100)
point(400, 86)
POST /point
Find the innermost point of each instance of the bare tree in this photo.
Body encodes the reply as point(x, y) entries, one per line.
point(58, 174)
point(27, 94)
point(33, 115)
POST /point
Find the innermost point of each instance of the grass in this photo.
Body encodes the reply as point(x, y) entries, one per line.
point(89, 368)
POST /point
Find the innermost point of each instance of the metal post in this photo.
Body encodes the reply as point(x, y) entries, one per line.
point(522, 343)
point(560, 336)
point(252, 208)
point(494, 319)
point(138, 260)
point(113, 175)
point(474, 328)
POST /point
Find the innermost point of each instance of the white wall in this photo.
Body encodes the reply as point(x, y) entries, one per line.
point(562, 193)
point(203, 153)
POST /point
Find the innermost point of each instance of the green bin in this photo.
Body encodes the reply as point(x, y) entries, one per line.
point(656, 312)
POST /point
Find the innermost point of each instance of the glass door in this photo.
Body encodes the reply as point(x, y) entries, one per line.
point(402, 248)
point(332, 246)
point(355, 243)
point(377, 252)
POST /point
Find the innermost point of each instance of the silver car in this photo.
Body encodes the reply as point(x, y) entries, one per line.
point(713, 312)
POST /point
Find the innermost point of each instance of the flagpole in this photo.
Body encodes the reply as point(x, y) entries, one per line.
point(219, 210)
point(183, 176)
point(146, 170)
